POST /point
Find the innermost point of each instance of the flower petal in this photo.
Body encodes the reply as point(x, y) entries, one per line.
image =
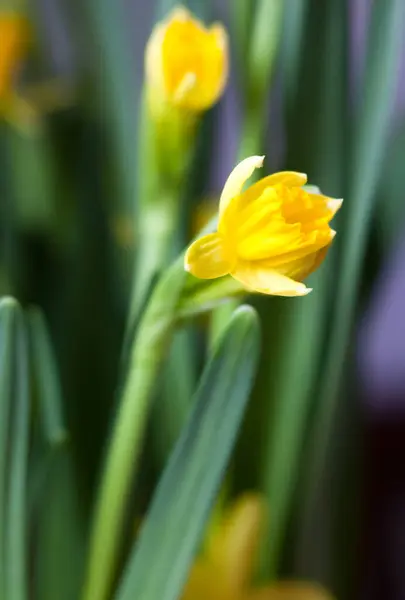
point(290, 590)
point(286, 178)
point(204, 582)
point(255, 276)
point(207, 258)
point(237, 178)
point(301, 268)
point(334, 204)
point(264, 188)
point(233, 545)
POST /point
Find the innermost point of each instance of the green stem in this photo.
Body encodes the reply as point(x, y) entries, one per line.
point(156, 226)
point(127, 437)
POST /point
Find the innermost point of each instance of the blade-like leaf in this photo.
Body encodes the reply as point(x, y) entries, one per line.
point(16, 547)
point(57, 573)
point(316, 146)
point(161, 559)
point(8, 308)
point(60, 540)
point(49, 392)
point(370, 135)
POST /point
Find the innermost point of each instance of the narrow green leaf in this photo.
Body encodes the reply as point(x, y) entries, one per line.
point(370, 134)
point(185, 494)
point(316, 146)
point(8, 308)
point(170, 411)
point(49, 392)
point(295, 12)
point(117, 83)
point(391, 207)
point(57, 567)
point(264, 44)
point(16, 542)
point(145, 357)
point(59, 545)
point(242, 12)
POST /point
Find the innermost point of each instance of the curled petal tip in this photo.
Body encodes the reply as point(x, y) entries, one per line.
point(334, 204)
point(237, 178)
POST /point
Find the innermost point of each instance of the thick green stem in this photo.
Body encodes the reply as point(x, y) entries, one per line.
point(127, 437)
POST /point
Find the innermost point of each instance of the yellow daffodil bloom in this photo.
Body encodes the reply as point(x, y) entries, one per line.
point(186, 64)
point(14, 36)
point(270, 237)
point(225, 571)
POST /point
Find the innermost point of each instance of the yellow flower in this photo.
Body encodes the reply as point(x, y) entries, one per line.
point(14, 36)
point(186, 63)
point(225, 571)
point(270, 237)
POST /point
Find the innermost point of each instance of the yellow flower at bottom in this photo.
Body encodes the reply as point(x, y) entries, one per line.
point(225, 571)
point(270, 237)
point(186, 63)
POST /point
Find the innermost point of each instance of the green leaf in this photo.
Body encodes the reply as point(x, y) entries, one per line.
point(370, 135)
point(295, 12)
point(391, 207)
point(122, 461)
point(49, 392)
point(316, 145)
point(58, 567)
point(8, 308)
point(264, 45)
point(168, 541)
point(59, 544)
point(16, 542)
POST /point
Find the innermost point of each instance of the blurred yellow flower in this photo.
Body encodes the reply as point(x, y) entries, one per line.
point(186, 63)
point(270, 237)
point(14, 36)
point(225, 571)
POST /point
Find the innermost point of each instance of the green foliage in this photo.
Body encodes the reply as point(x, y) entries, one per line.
point(102, 420)
point(186, 491)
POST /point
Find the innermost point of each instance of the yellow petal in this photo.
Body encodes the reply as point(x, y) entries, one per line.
point(286, 590)
point(233, 547)
point(205, 583)
point(259, 191)
point(256, 277)
point(301, 268)
point(334, 204)
point(207, 257)
point(154, 65)
point(288, 178)
point(237, 178)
